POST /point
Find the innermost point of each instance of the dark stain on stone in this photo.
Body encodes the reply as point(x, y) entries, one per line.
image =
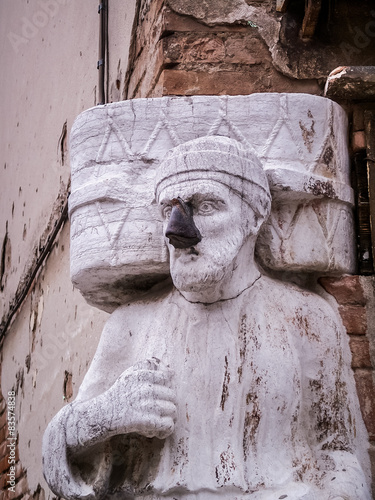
point(328, 156)
point(181, 458)
point(28, 363)
point(67, 386)
point(321, 188)
point(225, 392)
point(333, 422)
point(223, 472)
point(301, 321)
point(308, 134)
point(62, 143)
point(5, 258)
point(242, 336)
point(251, 423)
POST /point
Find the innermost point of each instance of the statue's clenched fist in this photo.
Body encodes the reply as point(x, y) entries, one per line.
point(142, 401)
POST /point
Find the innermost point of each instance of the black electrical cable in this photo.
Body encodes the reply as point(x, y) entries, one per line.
point(102, 11)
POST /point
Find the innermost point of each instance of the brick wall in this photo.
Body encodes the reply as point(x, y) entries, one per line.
point(177, 55)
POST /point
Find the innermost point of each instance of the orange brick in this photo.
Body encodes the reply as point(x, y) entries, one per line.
point(358, 118)
point(3, 481)
point(346, 289)
point(182, 82)
point(3, 419)
point(239, 82)
point(150, 26)
point(193, 48)
point(145, 73)
point(214, 48)
point(3, 449)
point(4, 465)
point(3, 433)
point(366, 394)
point(354, 319)
point(3, 405)
point(358, 141)
point(360, 348)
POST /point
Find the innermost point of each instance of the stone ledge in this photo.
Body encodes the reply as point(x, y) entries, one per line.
point(352, 83)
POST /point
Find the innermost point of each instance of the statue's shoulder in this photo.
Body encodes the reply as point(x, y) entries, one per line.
point(291, 293)
point(301, 308)
point(144, 305)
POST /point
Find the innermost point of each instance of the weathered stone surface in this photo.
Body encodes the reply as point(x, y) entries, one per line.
point(352, 82)
point(116, 244)
point(201, 390)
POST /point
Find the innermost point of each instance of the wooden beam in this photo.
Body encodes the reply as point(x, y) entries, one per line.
point(281, 5)
point(311, 18)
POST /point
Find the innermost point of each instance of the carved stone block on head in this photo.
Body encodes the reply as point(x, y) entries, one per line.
point(117, 242)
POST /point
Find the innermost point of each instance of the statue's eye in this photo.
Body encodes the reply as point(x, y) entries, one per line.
point(166, 211)
point(206, 207)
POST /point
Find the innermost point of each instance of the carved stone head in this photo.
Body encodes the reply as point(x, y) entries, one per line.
point(213, 185)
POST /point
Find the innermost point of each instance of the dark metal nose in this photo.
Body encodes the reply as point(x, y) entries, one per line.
point(182, 231)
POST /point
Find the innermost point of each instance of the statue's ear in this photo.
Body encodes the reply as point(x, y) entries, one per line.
point(258, 222)
point(254, 222)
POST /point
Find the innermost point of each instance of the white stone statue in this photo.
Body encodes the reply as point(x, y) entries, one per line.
point(229, 384)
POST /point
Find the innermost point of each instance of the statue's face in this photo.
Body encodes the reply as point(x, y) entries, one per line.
point(221, 218)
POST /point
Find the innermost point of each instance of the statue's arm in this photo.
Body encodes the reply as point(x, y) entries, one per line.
point(141, 399)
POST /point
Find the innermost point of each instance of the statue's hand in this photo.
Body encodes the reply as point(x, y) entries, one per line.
point(143, 400)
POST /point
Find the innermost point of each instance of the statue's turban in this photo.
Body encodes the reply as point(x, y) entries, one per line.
point(218, 159)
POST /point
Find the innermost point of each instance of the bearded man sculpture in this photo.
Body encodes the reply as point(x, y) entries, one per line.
point(230, 384)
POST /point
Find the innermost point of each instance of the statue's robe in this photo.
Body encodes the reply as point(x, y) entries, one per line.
point(267, 406)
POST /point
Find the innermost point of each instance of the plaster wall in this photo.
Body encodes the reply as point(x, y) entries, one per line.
point(49, 53)
point(46, 354)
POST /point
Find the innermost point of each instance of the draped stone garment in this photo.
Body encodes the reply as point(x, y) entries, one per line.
point(265, 397)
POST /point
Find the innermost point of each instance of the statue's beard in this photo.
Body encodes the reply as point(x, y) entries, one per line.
point(195, 273)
